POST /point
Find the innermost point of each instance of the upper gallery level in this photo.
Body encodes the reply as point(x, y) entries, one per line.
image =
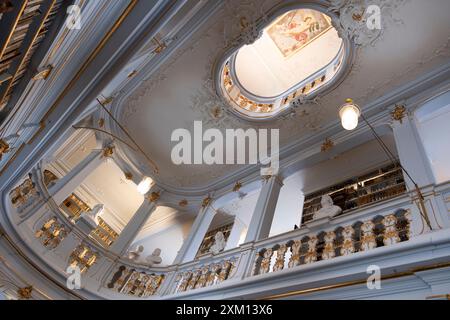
point(88, 180)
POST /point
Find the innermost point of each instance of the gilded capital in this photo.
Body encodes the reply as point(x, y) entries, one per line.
point(25, 293)
point(327, 145)
point(206, 202)
point(398, 113)
point(183, 203)
point(107, 100)
point(4, 147)
point(128, 175)
point(154, 196)
point(266, 178)
point(237, 186)
point(108, 151)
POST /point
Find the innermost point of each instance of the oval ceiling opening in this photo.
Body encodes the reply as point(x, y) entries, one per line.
point(296, 54)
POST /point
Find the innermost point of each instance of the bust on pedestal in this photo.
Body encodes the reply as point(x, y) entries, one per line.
point(219, 243)
point(134, 254)
point(89, 220)
point(154, 258)
point(324, 215)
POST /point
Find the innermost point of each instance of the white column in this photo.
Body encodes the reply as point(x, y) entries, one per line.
point(199, 228)
point(67, 184)
point(235, 235)
point(131, 230)
point(102, 271)
point(262, 217)
point(412, 157)
point(411, 154)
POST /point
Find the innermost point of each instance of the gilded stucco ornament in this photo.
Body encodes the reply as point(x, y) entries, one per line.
point(206, 202)
point(358, 18)
point(398, 113)
point(25, 293)
point(243, 18)
point(183, 203)
point(154, 196)
point(128, 175)
point(237, 186)
point(4, 148)
point(327, 145)
point(108, 151)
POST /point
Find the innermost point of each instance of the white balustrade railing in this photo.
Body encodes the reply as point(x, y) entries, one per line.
point(204, 275)
point(135, 281)
point(332, 242)
point(382, 224)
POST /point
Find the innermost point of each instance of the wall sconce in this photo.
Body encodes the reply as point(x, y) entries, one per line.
point(349, 114)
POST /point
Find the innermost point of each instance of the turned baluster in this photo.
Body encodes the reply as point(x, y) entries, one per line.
point(224, 272)
point(144, 281)
point(153, 285)
point(194, 279)
point(408, 218)
point(390, 235)
point(279, 262)
point(203, 277)
point(213, 275)
point(295, 257)
point(328, 250)
point(368, 240)
point(265, 262)
point(185, 281)
point(131, 283)
point(311, 254)
point(348, 246)
point(257, 265)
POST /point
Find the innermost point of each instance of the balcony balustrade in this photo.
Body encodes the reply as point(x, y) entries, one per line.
point(64, 242)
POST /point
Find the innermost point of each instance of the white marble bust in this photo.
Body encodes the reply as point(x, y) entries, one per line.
point(154, 258)
point(219, 243)
point(93, 214)
point(328, 208)
point(135, 253)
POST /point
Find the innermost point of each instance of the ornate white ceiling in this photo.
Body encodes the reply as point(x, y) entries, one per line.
point(413, 41)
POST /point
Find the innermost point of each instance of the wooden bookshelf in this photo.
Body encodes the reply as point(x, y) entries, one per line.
point(74, 206)
point(374, 186)
point(104, 233)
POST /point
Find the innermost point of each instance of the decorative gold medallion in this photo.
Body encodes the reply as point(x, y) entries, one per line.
point(358, 16)
point(183, 203)
point(154, 196)
point(108, 151)
point(128, 175)
point(237, 186)
point(160, 45)
point(399, 113)
point(327, 145)
point(4, 148)
point(25, 293)
point(206, 202)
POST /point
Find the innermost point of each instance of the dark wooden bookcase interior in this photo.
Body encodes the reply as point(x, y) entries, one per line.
point(377, 185)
